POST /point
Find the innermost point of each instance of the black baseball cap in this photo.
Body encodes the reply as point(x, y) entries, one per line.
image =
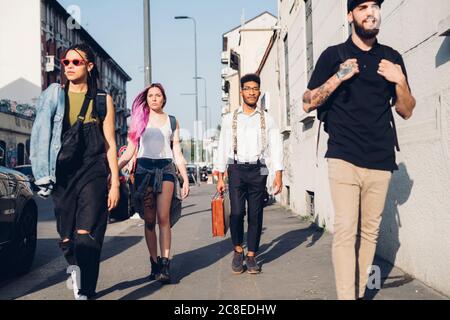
point(352, 4)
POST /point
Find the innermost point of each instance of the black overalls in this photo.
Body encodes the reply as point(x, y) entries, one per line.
point(80, 198)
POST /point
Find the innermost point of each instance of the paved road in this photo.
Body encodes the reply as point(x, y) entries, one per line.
point(295, 258)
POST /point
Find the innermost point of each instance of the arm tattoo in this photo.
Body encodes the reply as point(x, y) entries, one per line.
point(322, 95)
point(316, 98)
point(307, 97)
point(344, 70)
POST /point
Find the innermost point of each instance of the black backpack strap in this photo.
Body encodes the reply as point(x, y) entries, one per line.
point(84, 108)
point(321, 114)
point(100, 104)
point(341, 53)
point(394, 127)
point(388, 54)
point(317, 143)
point(173, 126)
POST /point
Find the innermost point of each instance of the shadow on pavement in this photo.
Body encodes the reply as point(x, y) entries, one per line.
point(195, 212)
point(112, 247)
point(400, 189)
point(122, 286)
point(183, 265)
point(386, 280)
point(188, 206)
point(287, 242)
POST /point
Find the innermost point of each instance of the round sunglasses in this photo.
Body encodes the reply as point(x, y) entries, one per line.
point(75, 62)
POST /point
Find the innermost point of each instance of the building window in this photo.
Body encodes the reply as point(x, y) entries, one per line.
point(225, 44)
point(310, 206)
point(20, 154)
point(286, 66)
point(309, 38)
point(27, 151)
point(2, 153)
point(288, 196)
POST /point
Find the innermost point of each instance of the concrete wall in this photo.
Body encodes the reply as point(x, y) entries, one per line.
point(414, 232)
point(416, 221)
point(302, 175)
point(20, 50)
point(251, 46)
point(270, 98)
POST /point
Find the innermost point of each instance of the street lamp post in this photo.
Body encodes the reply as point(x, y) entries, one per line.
point(147, 44)
point(206, 119)
point(196, 129)
point(206, 104)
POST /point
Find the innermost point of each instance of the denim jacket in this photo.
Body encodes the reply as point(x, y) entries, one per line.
point(45, 141)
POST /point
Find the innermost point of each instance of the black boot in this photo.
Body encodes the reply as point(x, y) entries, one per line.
point(164, 273)
point(155, 267)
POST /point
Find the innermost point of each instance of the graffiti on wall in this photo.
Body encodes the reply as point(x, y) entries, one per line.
point(14, 155)
point(12, 107)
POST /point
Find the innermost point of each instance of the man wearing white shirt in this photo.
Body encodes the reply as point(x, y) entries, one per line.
point(249, 137)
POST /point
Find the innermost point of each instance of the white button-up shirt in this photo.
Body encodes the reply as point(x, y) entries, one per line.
point(249, 141)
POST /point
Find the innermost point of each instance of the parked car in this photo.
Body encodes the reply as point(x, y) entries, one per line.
point(192, 173)
point(204, 174)
point(26, 170)
point(18, 223)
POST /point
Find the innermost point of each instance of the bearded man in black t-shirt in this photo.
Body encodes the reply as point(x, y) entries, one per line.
point(353, 87)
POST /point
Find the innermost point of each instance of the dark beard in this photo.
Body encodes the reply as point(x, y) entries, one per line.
point(251, 105)
point(365, 34)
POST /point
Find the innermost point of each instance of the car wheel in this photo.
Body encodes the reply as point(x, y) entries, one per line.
point(25, 241)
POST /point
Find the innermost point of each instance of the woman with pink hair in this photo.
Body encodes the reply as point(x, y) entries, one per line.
point(154, 136)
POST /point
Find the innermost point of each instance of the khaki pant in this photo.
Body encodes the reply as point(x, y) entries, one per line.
point(358, 196)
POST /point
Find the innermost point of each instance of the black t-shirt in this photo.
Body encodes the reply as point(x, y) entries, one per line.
point(359, 117)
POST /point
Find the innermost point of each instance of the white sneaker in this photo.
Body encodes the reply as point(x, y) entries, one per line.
point(75, 288)
point(136, 216)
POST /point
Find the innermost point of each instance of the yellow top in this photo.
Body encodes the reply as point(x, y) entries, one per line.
point(76, 103)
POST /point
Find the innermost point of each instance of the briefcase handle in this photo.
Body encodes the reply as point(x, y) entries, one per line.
point(216, 195)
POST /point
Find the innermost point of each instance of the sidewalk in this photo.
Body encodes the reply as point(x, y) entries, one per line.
point(295, 258)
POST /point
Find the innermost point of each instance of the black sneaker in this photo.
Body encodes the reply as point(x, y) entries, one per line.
point(252, 265)
point(164, 273)
point(238, 262)
point(155, 268)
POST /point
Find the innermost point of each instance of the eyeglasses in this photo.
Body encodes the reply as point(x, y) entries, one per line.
point(250, 89)
point(75, 62)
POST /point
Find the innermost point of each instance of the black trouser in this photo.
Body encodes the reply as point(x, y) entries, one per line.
point(84, 250)
point(247, 184)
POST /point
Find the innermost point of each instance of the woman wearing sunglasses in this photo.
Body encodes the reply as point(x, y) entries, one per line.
point(82, 153)
point(155, 137)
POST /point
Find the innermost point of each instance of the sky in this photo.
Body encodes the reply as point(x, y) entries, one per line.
point(117, 25)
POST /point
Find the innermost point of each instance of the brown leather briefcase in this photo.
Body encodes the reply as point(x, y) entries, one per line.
point(220, 206)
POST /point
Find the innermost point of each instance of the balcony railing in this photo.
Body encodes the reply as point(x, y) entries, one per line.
point(224, 72)
point(225, 57)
